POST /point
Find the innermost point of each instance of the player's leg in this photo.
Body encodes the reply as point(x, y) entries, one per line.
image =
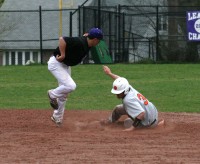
point(66, 83)
point(58, 114)
point(117, 112)
point(63, 75)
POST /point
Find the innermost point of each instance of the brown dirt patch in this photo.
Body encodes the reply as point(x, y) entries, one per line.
point(29, 136)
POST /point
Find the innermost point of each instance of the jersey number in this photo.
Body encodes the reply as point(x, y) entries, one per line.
point(141, 97)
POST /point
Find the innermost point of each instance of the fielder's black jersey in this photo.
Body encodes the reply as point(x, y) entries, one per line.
point(76, 49)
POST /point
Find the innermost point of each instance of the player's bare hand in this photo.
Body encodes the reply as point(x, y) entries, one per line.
point(106, 69)
point(86, 34)
point(129, 129)
point(60, 58)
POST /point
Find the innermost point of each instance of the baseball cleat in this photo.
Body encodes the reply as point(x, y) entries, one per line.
point(53, 101)
point(56, 121)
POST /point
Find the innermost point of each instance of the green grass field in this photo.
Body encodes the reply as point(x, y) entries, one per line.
point(171, 87)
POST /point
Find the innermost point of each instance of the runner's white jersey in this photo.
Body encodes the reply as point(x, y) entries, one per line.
point(135, 103)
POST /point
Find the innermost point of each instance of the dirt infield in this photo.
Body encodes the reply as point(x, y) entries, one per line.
point(29, 136)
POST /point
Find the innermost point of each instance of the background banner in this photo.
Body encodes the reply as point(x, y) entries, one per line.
point(193, 25)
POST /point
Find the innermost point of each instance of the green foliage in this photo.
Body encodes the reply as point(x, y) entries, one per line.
point(171, 87)
point(1, 2)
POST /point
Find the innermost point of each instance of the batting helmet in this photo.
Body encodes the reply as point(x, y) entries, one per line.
point(120, 85)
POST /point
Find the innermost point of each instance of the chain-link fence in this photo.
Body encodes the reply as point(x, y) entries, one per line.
point(135, 33)
point(132, 33)
point(32, 35)
point(173, 44)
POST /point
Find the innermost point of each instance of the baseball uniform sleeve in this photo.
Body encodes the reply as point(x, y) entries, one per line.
point(133, 107)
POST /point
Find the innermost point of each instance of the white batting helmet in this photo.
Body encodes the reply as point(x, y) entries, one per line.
point(120, 85)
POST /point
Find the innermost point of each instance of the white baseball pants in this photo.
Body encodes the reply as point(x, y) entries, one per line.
point(66, 84)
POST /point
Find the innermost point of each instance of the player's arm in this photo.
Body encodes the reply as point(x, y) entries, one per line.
point(107, 71)
point(141, 116)
point(62, 47)
point(136, 122)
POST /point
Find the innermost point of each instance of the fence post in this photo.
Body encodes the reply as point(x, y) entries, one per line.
point(149, 48)
point(157, 34)
point(99, 13)
point(83, 21)
point(79, 21)
point(110, 33)
point(40, 18)
point(119, 31)
point(123, 38)
point(70, 24)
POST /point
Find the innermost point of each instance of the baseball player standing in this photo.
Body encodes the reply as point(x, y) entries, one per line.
point(139, 109)
point(70, 52)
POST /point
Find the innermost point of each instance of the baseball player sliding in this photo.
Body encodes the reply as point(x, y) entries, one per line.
point(139, 109)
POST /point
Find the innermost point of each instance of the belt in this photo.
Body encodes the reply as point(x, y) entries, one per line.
point(153, 122)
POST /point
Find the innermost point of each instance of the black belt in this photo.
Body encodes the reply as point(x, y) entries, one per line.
point(153, 122)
